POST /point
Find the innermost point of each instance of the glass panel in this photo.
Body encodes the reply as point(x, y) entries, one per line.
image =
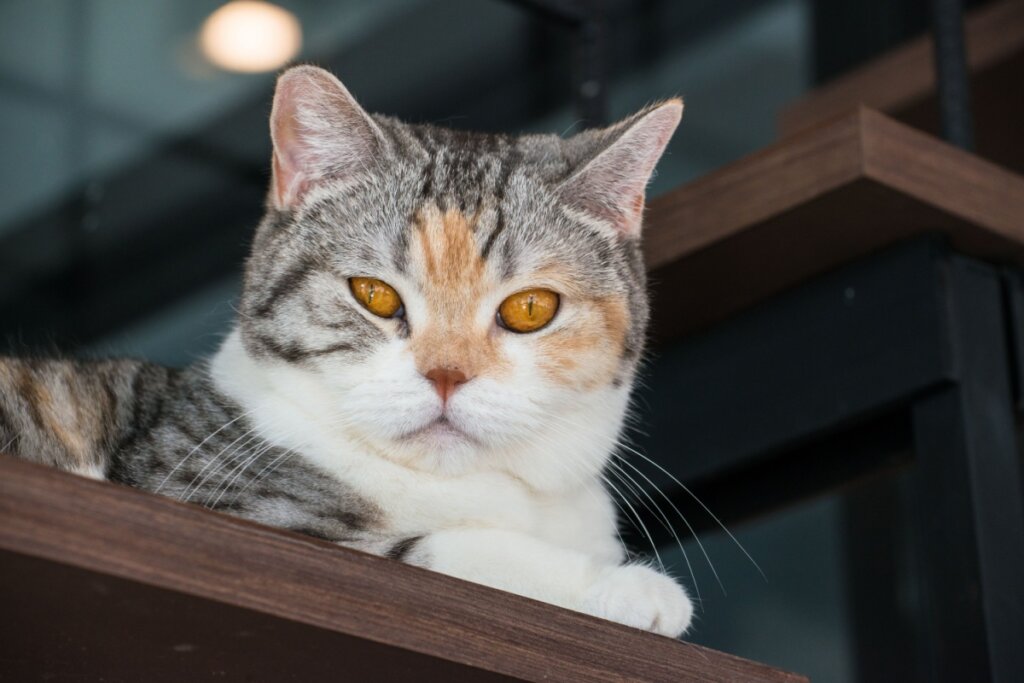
point(796, 617)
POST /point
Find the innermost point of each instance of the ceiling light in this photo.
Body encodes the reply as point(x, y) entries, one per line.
point(250, 36)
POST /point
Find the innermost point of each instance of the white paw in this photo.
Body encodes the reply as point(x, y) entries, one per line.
point(640, 597)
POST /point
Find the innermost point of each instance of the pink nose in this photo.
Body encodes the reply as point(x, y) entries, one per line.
point(446, 381)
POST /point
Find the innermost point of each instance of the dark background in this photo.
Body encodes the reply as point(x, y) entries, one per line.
point(132, 173)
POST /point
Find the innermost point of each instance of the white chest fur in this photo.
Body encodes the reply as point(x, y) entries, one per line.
point(415, 502)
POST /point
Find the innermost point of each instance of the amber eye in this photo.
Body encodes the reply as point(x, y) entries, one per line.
point(528, 311)
point(377, 297)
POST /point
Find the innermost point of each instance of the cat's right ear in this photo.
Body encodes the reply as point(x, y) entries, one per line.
point(319, 131)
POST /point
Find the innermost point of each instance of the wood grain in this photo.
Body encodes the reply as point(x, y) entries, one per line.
point(63, 623)
point(812, 202)
point(901, 83)
point(152, 541)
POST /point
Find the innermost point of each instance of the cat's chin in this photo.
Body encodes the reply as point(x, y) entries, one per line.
point(436, 450)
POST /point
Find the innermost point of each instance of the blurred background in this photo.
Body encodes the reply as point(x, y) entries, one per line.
point(134, 160)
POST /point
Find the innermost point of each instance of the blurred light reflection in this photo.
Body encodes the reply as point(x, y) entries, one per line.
point(250, 36)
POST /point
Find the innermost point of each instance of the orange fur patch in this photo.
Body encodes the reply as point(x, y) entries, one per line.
point(453, 287)
point(587, 355)
point(71, 420)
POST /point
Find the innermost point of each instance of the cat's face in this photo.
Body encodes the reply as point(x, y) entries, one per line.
point(454, 302)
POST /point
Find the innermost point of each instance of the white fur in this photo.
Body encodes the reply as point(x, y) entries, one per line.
point(517, 504)
point(90, 472)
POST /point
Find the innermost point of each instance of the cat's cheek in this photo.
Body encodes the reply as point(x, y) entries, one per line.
point(524, 360)
point(386, 396)
point(584, 350)
point(577, 352)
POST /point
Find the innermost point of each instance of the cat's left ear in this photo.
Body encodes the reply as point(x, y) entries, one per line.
point(319, 131)
point(610, 184)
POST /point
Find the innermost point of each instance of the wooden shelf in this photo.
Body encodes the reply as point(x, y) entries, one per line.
point(112, 583)
point(902, 84)
point(813, 201)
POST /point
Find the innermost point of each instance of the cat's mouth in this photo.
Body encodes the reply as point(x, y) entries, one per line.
point(440, 429)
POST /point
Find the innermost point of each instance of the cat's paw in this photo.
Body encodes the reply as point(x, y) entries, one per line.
point(640, 597)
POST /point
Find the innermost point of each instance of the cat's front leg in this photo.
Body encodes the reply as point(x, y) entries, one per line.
point(630, 594)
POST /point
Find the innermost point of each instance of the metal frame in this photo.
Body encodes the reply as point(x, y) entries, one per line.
point(902, 360)
point(951, 72)
point(587, 20)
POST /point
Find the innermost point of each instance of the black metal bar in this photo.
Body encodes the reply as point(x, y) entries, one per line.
point(1013, 297)
point(847, 455)
point(588, 22)
point(1013, 292)
point(832, 352)
point(969, 521)
point(591, 83)
point(569, 12)
point(880, 572)
point(914, 342)
point(951, 72)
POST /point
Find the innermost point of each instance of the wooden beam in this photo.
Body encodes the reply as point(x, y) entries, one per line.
point(812, 202)
point(901, 83)
point(359, 605)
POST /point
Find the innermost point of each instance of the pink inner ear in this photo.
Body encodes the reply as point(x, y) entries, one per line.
point(287, 158)
point(638, 206)
point(627, 215)
point(612, 185)
point(288, 183)
point(318, 131)
point(291, 163)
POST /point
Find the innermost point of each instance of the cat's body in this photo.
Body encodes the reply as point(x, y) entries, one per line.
point(174, 432)
point(465, 427)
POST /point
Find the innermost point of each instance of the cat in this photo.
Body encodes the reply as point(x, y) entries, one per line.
point(437, 339)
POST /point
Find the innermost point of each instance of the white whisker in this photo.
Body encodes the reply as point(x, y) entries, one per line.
point(706, 509)
point(202, 476)
point(3, 449)
point(238, 470)
point(197, 447)
point(639, 521)
point(267, 470)
point(668, 526)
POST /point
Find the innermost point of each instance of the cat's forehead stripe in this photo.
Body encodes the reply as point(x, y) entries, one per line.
point(448, 248)
point(458, 168)
point(453, 284)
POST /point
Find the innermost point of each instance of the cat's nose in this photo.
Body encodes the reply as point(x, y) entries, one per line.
point(446, 381)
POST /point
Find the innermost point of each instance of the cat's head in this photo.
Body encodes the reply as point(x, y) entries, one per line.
point(453, 301)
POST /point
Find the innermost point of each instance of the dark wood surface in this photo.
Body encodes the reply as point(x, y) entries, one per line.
point(902, 84)
point(98, 575)
point(812, 202)
point(61, 623)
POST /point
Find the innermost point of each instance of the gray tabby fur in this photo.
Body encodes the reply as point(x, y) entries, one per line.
point(171, 431)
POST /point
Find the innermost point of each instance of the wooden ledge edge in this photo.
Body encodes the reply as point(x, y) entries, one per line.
point(939, 174)
point(860, 144)
point(743, 193)
point(154, 540)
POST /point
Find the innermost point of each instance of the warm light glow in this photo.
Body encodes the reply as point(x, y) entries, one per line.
point(250, 36)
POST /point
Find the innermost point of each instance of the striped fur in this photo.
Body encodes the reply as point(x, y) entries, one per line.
point(133, 422)
point(317, 416)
